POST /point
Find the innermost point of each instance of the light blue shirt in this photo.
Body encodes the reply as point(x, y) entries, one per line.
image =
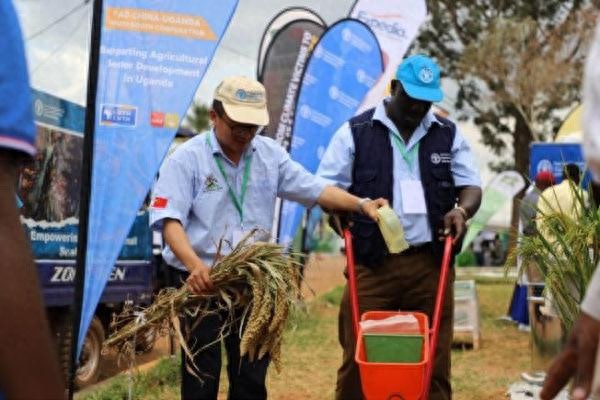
point(191, 189)
point(336, 166)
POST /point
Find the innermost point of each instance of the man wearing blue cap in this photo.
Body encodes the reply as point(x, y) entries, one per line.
point(401, 151)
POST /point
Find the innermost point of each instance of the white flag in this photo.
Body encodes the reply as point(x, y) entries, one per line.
point(395, 24)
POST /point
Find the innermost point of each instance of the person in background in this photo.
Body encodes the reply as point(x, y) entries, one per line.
point(561, 198)
point(578, 359)
point(28, 361)
point(528, 206)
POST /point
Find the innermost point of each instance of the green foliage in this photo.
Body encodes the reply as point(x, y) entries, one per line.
point(566, 252)
point(518, 64)
point(198, 117)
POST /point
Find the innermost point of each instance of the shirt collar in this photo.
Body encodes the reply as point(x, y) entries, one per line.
point(215, 146)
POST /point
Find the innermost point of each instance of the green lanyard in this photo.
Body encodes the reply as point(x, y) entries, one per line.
point(238, 202)
point(408, 156)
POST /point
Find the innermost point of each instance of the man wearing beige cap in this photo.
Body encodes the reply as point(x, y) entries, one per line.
point(220, 185)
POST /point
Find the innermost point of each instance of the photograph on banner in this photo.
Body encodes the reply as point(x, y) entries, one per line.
point(284, 64)
point(395, 26)
point(344, 66)
point(283, 18)
point(50, 185)
point(152, 57)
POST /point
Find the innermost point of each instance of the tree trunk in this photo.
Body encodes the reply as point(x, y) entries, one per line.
point(522, 139)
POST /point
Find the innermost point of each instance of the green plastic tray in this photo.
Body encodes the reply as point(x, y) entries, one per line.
point(389, 348)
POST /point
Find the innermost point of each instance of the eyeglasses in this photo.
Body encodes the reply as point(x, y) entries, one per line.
point(239, 129)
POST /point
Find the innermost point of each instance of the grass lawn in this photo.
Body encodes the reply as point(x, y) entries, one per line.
point(312, 355)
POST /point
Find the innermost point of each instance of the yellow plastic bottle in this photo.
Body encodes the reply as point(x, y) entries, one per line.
point(392, 230)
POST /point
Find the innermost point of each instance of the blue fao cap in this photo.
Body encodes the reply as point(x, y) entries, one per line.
point(420, 78)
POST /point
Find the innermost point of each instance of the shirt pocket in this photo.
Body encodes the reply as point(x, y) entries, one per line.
point(259, 203)
point(365, 182)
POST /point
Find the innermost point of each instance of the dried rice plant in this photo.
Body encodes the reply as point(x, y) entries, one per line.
point(259, 281)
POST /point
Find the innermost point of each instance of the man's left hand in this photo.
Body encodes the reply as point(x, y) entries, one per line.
point(370, 208)
point(455, 224)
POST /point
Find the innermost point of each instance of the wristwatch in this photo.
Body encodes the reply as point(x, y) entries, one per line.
point(361, 203)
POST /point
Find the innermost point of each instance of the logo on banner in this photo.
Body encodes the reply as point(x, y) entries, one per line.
point(346, 100)
point(118, 115)
point(377, 23)
point(364, 78)
point(545, 165)
point(305, 112)
point(318, 52)
point(172, 120)
point(354, 40)
point(211, 184)
point(157, 119)
point(48, 111)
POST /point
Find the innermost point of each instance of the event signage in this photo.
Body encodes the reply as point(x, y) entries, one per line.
point(344, 66)
point(152, 57)
point(396, 25)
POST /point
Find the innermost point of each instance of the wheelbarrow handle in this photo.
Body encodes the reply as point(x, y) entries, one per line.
point(437, 312)
point(351, 270)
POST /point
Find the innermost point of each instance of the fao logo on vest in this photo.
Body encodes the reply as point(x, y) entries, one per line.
point(437, 158)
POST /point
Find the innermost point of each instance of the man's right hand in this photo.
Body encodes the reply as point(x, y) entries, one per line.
point(199, 280)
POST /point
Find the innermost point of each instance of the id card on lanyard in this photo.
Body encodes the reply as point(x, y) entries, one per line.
point(411, 190)
point(238, 201)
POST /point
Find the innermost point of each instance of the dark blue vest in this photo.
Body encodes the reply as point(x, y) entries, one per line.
point(372, 176)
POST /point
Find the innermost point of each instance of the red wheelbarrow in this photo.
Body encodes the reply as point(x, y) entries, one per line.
point(397, 381)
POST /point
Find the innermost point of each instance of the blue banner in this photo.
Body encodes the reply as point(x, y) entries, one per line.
point(344, 66)
point(153, 55)
point(553, 157)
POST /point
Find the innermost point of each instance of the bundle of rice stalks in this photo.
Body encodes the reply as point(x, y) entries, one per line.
point(257, 282)
point(565, 249)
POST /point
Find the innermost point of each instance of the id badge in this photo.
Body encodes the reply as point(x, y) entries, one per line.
point(413, 197)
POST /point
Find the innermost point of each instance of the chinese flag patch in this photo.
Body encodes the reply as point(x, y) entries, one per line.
point(160, 202)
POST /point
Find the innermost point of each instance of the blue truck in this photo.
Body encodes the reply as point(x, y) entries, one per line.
point(49, 189)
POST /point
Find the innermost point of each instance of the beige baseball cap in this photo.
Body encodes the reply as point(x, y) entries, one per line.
point(244, 100)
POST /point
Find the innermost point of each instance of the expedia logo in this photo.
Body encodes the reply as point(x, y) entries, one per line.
point(378, 24)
